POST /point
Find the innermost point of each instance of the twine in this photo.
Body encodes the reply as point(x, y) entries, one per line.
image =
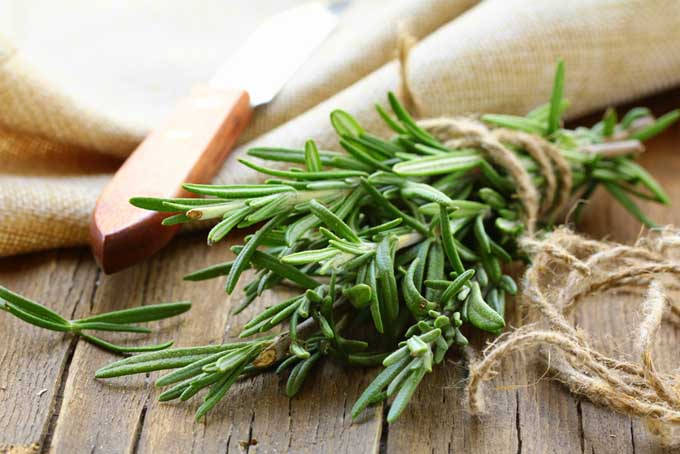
point(566, 269)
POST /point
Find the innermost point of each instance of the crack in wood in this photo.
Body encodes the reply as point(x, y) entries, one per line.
point(384, 430)
point(145, 286)
point(72, 285)
point(517, 423)
point(581, 431)
point(250, 443)
point(137, 432)
point(57, 401)
point(95, 287)
point(226, 450)
point(632, 435)
point(46, 437)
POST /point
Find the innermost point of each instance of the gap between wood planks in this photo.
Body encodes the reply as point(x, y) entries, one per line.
point(46, 437)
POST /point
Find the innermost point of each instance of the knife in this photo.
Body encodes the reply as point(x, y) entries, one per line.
point(193, 142)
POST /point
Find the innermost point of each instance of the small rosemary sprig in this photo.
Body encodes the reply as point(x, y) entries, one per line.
point(38, 315)
point(405, 238)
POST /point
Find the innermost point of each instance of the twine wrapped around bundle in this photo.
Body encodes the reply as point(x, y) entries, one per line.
point(566, 269)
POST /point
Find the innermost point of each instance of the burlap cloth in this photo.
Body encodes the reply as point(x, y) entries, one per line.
point(495, 56)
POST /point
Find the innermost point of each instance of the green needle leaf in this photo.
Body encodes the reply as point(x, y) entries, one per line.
point(156, 204)
point(420, 190)
point(225, 226)
point(123, 348)
point(481, 236)
point(514, 122)
point(176, 219)
point(391, 122)
point(221, 269)
point(382, 201)
point(31, 307)
point(377, 385)
point(141, 314)
point(456, 285)
point(415, 302)
point(405, 394)
point(609, 121)
point(492, 198)
point(312, 158)
point(447, 241)
point(314, 256)
point(376, 313)
point(658, 126)
point(438, 165)
point(328, 158)
point(103, 326)
point(218, 391)
point(345, 124)
point(410, 125)
point(267, 261)
point(387, 283)
point(634, 114)
point(35, 319)
point(243, 258)
point(323, 175)
point(300, 373)
point(556, 99)
point(359, 295)
point(241, 191)
point(336, 224)
point(618, 193)
point(361, 156)
point(480, 314)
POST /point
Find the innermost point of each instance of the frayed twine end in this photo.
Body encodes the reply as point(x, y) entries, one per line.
point(580, 267)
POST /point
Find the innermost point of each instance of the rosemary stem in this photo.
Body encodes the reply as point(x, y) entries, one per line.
point(278, 347)
point(614, 149)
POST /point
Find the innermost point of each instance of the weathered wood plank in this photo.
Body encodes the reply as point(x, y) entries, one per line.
point(92, 408)
point(33, 361)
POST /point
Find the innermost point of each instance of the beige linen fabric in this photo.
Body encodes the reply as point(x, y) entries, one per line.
point(498, 56)
point(364, 41)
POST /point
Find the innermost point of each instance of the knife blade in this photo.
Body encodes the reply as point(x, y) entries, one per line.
point(193, 142)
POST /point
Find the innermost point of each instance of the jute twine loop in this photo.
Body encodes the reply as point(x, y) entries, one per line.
point(554, 284)
point(467, 132)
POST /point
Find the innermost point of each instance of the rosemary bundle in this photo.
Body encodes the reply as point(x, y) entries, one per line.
point(397, 246)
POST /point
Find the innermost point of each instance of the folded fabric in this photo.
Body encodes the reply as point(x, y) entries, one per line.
point(498, 56)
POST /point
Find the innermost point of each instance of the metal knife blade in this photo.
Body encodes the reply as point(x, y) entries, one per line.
point(275, 50)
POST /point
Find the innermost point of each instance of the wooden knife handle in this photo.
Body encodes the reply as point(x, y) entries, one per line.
point(189, 147)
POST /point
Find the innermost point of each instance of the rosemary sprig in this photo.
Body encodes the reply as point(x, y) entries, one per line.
point(405, 238)
point(123, 320)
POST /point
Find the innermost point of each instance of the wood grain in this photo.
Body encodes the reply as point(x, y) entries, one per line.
point(33, 362)
point(49, 395)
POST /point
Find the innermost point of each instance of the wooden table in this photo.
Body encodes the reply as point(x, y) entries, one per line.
point(49, 400)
